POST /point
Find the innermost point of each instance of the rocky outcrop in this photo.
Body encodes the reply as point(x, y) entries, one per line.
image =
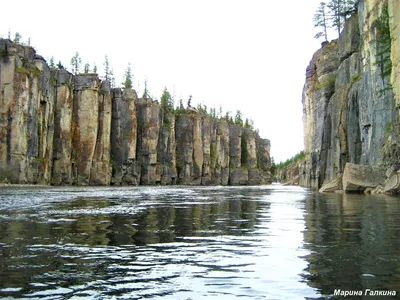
point(290, 175)
point(26, 115)
point(58, 128)
point(358, 178)
point(351, 99)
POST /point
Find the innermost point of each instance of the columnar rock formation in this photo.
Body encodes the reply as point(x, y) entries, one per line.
point(59, 129)
point(351, 101)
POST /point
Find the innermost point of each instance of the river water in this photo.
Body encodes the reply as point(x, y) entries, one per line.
point(269, 242)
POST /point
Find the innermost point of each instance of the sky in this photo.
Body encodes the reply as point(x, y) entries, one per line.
point(241, 55)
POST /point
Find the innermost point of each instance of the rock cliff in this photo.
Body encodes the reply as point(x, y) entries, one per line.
point(351, 99)
point(58, 128)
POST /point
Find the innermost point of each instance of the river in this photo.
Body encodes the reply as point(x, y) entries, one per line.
point(268, 242)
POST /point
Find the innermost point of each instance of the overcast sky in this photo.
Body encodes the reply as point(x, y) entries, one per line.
point(247, 55)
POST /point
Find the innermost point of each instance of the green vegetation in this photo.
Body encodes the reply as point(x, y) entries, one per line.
point(238, 118)
point(383, 47)
point(321, 21)
point(3, 53)
point(146, 90)
point(86, 68)
point(28, 68)
point(128, 77)
point(388, 128)
point(167, 106)
point(51, 63)
point(244, 155)
point(76, 61)
point(333, 14)
point(356, 78)
point(167, 100)
point(213, 153)
point(289, 161)
point(17, 38)
point(329, 82)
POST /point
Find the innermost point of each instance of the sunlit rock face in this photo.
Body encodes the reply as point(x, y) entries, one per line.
point(58, 128)
point(350, 102)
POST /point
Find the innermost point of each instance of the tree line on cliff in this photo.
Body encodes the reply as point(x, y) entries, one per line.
point(167, 99)
point(333, 14)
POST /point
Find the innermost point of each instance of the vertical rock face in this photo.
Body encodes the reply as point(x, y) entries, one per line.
point(350, 97)
point(84, 126)
point(100, 173)
point(61, 173)
point(58, 128)
point(166, 149)
point(184, 149)
point(123, 138)
point(148, 133)
point(26, 115)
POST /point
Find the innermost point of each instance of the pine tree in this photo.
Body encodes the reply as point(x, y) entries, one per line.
point(238, 118)
point(60, 65)
point(146, 91)
point(166, 101)
point(220, 112)
point(86, 68)
point(106, 68)
point(111, 78)
point(340, 10)
point(17, 38)
point(321, 21)
point(51, 62)
point(128, 77)
point(76, 63)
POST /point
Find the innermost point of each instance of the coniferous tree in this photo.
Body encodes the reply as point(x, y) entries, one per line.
point(238, 118)
point(60, 65)
point(128, 77)
point(321, 21)
point(51, 62)
point(106, 68)
point(166, 101)
point(220, 112)
point(17, 38)
point(86, 68)
point(76, 63)
point(340, 10)
point(112, 78)
point(146, 91)
point(333, 14)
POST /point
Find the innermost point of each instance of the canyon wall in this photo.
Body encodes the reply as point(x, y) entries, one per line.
point(351, 100)
point(63, 129)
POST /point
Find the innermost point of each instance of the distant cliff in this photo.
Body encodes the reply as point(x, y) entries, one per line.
point(59, 129)
point(351, 102)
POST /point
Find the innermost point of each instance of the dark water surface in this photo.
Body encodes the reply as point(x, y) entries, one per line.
point(195, 242)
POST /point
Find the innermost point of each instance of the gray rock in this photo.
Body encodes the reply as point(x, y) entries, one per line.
point(357, 178)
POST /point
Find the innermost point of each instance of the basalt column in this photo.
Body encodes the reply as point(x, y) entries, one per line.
point(124, 138)
point(100, 173)
point(61, 173)
point(84, 126)
point(148, 134)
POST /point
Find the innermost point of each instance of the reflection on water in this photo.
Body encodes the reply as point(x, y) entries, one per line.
point(354, 242)
point(190, 243)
